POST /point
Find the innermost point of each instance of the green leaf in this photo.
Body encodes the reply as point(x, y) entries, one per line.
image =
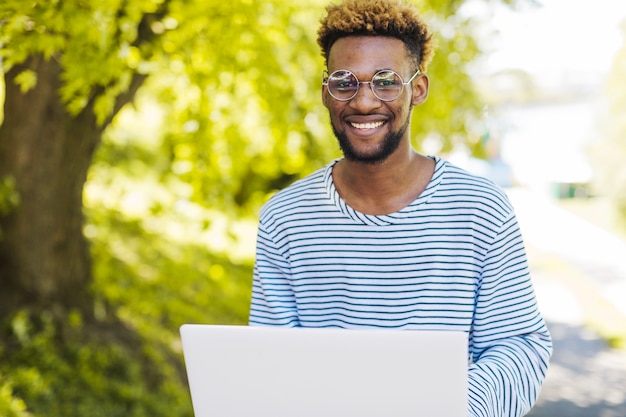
point(27, 80)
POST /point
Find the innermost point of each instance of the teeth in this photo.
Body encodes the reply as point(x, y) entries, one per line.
point(367, 125)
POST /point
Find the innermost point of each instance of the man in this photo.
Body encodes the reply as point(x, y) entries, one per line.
point(386, 237)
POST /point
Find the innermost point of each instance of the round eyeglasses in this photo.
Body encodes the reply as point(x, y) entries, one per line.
point(386, 85)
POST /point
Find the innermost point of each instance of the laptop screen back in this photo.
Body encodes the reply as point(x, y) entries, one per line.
point(241, 371)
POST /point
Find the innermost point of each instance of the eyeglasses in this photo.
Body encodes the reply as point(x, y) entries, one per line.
point(386, 85)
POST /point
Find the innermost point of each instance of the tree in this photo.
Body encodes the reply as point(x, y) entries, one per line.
point(237, 88)
point(58, 102)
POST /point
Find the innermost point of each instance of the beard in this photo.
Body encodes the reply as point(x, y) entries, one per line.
point(390, 143)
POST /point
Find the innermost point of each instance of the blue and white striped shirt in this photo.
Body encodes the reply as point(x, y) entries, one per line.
point(454, 259)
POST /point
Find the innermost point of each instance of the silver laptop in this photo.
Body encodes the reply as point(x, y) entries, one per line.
point(241, 371)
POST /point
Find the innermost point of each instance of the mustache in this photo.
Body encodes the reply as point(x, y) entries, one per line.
point(388, 146)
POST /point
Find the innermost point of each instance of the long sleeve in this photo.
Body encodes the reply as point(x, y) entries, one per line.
point(452, 260)
point(273, 301)
point(511, 344)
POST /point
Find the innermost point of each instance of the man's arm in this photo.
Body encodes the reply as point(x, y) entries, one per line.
point(273, 302)
point(511, 345)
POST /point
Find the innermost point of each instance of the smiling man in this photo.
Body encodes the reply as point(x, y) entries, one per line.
point(388, 238)
point(377, 112)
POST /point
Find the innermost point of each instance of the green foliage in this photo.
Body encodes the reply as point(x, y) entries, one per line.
point(159, 286)
point(27, 80)
point(609, 153)
point(153, 283)
point(10, 405)
point(97, 50)
point(63, 373)
point(241, 109)
point(453, 107)
point(9, 197)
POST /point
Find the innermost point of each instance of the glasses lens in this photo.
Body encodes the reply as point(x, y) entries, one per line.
point(387, 85)
point(342, 84)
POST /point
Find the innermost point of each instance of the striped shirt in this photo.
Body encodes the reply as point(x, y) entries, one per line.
point(454, 259)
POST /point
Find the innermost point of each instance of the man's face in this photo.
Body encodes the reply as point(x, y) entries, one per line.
point(368, 129)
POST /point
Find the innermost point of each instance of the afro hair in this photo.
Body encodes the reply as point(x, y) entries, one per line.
point(392, 18)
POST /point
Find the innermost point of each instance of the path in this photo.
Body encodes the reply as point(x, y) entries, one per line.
point(579, 272)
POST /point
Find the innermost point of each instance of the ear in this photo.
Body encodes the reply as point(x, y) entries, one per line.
point(325, 95)
point(420, 89)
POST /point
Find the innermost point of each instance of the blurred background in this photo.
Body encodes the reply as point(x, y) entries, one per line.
point(554, 80)
point(139, 140)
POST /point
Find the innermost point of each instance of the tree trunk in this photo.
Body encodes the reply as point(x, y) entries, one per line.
point(44, 257)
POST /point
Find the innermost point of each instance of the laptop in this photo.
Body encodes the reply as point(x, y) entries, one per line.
point(243, 371)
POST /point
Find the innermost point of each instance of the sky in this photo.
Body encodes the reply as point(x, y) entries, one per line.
point(557, 37)
point(562, 44)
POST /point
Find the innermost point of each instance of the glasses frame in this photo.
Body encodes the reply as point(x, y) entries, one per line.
point(326, 76)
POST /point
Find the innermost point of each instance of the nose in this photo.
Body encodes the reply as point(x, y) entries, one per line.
point(365, 100)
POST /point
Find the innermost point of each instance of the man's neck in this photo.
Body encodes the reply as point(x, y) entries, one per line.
point(385, 187)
